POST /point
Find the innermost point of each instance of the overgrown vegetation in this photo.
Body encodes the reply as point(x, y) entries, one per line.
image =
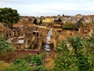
point(6, 50)
point(69, 26)
point(25, 64)
point(75, 54)
point(21, 64)
point(18, 65)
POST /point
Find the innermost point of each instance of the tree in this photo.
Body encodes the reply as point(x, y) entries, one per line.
point(40, 21)
point(76, 43)
point(35, 21)
point(59, 20)
point(80, 58)
point(63, 15)
point(9, 16)
point(79, 23)
point(83, 54)
point(64, 60)
point(4, 46)
point(6, 52)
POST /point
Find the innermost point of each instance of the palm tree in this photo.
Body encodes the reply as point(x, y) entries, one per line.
point(80, 59)
point(76, 43)
point(82, 51)
point(64, 60)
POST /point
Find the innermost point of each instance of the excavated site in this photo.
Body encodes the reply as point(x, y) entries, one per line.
point(41, 39)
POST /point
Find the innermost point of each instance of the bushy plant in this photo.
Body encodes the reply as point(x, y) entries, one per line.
point(6, 51)
point(40, 68)
point(37, 60)
point(19, 65)
point(80, 58)
point(69, 26)
point(28, 58)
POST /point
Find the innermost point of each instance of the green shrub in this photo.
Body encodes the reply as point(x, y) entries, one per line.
point(19, 65)
point(28, 58)
point(69, 26)
point(40, 68)
point(37, 59)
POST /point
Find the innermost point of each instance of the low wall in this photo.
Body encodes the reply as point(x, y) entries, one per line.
point(27, 51)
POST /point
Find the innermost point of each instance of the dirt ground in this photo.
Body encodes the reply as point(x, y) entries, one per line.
point(49, 61)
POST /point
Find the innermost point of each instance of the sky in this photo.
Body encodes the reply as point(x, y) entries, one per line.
point(50, 7)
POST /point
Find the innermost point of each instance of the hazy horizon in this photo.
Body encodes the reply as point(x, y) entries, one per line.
point(50, 7)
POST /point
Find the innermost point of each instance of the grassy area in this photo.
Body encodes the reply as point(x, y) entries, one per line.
point(4, 65)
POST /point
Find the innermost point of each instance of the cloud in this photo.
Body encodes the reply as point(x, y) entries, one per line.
point(11, 1)
point(57, 8)
point(53, 8)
